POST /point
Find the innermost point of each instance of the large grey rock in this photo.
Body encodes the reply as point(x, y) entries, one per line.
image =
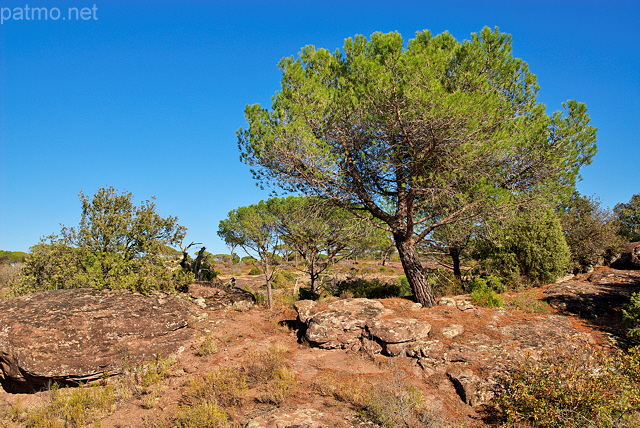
point(79, 335)
point(359, 324)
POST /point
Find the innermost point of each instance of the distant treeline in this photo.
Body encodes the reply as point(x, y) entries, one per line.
point(8, 257)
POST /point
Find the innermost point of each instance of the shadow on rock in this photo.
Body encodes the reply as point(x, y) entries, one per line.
point(599, 298)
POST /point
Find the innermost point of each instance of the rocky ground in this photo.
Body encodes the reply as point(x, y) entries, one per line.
point(452, 353)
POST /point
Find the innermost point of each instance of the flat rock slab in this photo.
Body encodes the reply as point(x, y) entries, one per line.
point(79, 335)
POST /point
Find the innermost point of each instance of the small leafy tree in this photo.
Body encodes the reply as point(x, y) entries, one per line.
point(117, 245)
point(529, 246)
point(629, 218)
point(254, 229)
point(320, 231)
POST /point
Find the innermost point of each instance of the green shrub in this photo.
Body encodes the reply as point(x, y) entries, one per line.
point(372, 288)
point(531, 248)
point(404, 287)
point(279, 388)
point(631, 316)
point(224, 387)
point(261, 298)
point(283, 279)
point(483, 292)
point(395, 405)
point(254, 271)
point(571, 388)
point(202, 415)
point(58, 266)
point(444, 283)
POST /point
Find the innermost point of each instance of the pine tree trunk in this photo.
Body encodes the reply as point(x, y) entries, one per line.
point(413, 270)
point(267, 276)
point(454, 252)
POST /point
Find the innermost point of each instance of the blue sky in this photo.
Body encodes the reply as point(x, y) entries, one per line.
point(147, 97)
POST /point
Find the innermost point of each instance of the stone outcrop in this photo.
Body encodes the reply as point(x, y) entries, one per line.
point(472, 389)
point(630, 257)
point(218, 295)
point(466, 345)
point(79, 335)
point(359, 325)
point(601, 296)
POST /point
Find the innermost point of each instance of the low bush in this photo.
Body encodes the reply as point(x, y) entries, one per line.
point(483, 292)
point(570, 388)
point(390, 403)
point(395, 405)
point(283, 279)
point(279, 388)
point(631, 317)
point(372, 288)
point(527, 301)
point(260, 367)
point(202, 415)
point(69, 407)
point(254, 271)
point(224, 387)
point(208, 346)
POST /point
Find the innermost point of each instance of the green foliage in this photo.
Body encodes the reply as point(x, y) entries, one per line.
point(405, 288)
point(629, 218)
point(69, 407)
point(574, 388)
point(8, 257)
point(590, 231)
point(284, 279)
point(483, 291)
point(372, 288)
point(201, 267)
point(490, 282)
point(254, 271)
point(202, 415)
point(530, 247)
point(631, 316)
point(116, 246)
point(443, 282)
point(321, 232)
